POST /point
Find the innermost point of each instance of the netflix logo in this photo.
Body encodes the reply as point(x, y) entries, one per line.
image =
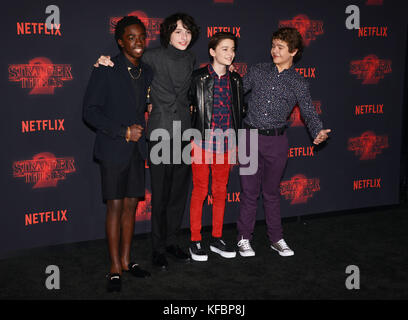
point(214, 29)
point(369, 109)
point(307, 72)
point(231, 197)
point(38, 28)
point(372, 32)
point(296, 152)
point(367, 184)
point(46, 217)
point(28, 126)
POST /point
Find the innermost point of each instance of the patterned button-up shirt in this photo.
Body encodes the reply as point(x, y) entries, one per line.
point(221, 115)
point(275, 94)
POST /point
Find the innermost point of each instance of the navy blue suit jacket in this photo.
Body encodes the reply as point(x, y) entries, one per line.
point(110, 105)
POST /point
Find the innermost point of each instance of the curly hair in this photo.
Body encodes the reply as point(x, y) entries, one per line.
point(123, 23)
point(170, 24)
point(293, 38)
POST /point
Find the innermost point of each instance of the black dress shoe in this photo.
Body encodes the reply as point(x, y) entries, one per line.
point(113, 282)
point(136, 271)
point(160, 261)
point(177, 253)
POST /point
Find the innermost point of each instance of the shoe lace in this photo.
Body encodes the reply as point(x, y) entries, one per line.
point(244, 243)
point(283, 245)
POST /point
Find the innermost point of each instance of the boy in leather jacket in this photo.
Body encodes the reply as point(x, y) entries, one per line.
point(217, 99)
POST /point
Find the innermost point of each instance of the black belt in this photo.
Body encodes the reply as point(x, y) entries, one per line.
point(268, 132)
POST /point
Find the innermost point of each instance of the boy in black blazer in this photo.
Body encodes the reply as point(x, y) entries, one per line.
point(115, 104)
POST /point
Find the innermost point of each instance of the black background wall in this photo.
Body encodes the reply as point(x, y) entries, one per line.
point(50, 184)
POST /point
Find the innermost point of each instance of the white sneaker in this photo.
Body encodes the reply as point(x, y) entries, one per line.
point(245, 249)
point(282, 248)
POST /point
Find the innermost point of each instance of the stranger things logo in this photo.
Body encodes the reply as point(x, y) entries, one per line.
point(309, 29)
point(299, 188)
point(44, 170)
point(40, 75)
point(152, 25)
point(368, 145)
point(370, 69)
point(144, 208)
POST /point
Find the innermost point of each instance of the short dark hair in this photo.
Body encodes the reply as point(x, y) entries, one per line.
point(293, 38)
point(217, 38)
point(123, 23)
point(170, 24)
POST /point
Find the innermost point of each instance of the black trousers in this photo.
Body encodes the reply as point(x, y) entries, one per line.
point(170, 184)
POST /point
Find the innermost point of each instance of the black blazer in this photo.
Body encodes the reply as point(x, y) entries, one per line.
point(110, 105)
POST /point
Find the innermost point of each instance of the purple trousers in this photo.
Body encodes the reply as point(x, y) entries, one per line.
point(272, 158)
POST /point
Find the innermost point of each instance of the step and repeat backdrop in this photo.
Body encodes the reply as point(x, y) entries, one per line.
point(354, 61)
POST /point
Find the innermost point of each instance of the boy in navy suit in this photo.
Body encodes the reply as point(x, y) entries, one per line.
point(115, 104)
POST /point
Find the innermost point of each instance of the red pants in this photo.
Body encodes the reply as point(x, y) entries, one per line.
point(219, 177)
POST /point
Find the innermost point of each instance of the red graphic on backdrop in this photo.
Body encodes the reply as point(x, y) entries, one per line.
point(299, 189)
point(309, 29)
point(152, 25)
point(144, 208)
point(44, 170)
point(368, 145)
point(374, 2)
point(40, 75)
point(371, 69)
point(295, 118)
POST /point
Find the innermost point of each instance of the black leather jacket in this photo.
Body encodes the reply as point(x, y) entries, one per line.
point(201, 96)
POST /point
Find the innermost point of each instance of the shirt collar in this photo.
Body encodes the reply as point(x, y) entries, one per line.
point(275, 69)
point(130, 64)
point(214, 74)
